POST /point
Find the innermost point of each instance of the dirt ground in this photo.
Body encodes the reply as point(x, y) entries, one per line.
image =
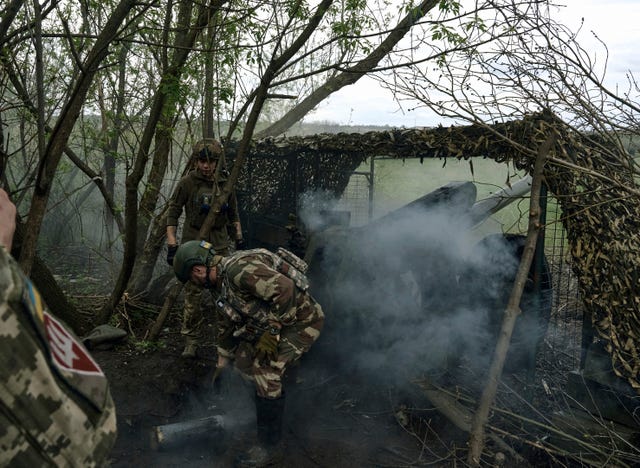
point(333, 418)
point(354, 400)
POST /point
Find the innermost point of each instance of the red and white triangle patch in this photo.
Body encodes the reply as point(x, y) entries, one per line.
point(67, 352)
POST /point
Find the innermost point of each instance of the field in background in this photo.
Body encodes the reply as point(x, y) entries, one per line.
point(397, 182)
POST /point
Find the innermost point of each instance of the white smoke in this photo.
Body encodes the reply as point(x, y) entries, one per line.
point(395, 301)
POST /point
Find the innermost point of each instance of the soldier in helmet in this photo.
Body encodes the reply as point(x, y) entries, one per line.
point(195, 193)
point(266, 320)
point(55, 404)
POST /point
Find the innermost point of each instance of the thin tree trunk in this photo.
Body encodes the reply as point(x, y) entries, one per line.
point(9, 13)
point(39, 79)
point(61, 132)
point(143, 269)
point(477, 436)
point(209, 70)
point(164, 312)
point(112, 144)
point(156, 175)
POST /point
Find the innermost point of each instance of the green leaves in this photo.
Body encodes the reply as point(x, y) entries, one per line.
point(441, 32)
point(449, 6)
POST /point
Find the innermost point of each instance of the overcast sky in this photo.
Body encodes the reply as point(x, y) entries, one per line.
point(616, 22)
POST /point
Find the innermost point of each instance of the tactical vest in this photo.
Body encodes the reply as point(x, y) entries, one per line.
point(238, 310)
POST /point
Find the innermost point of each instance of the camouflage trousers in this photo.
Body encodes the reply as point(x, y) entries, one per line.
point(295, 340)
point(192, 316)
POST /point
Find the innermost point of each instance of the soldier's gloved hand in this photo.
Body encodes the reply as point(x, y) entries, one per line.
point(267, 346)
point(240, 244)
point(171, 252)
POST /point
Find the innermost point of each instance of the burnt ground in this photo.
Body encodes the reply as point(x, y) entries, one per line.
point(333, 417)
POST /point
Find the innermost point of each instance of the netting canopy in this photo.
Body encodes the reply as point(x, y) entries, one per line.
point(594, 186)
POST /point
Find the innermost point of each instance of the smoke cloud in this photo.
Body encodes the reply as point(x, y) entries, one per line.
point(409, 293)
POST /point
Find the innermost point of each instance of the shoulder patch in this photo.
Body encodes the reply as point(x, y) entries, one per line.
point(66, 352)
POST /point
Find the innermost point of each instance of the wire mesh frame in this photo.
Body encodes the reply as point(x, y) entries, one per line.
point(356, 198)
point(562, 346)
point(562, 349)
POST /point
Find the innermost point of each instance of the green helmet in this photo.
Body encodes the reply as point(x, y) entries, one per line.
point(190, 254)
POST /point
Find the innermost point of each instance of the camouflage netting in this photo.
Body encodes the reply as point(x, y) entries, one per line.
point(600, 214)
point(270, 184)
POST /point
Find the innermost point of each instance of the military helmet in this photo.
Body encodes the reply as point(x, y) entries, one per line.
point(208, 148)
point(190, 254)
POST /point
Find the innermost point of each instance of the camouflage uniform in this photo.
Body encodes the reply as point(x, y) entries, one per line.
point(252, 293)
point(55, 404)
point(193, 192)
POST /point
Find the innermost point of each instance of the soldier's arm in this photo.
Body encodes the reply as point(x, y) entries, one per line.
point(176, 203)
point(225, 343)
point(68, 379)
point(171, 235)
point(238, 228)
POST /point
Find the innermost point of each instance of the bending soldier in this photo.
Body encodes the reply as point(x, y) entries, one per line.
point(55, 404)
point(195, 193)
point(266, 320)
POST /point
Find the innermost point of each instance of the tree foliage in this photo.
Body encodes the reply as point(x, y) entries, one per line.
point(121, 95)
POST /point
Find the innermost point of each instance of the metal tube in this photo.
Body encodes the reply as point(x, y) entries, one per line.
point(174, 434)
point(484, 208)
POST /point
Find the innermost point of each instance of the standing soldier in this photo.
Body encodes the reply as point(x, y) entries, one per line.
point(196, 193)
point(266, 320)
point(55, 404)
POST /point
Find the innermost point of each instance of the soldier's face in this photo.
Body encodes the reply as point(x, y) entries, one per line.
point(199, 275)
point(207, 166)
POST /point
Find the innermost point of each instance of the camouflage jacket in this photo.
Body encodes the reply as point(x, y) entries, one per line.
point(252, 292)
point(195, 193)
point(55, 404)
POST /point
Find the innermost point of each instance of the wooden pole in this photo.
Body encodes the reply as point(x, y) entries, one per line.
point(477, 436)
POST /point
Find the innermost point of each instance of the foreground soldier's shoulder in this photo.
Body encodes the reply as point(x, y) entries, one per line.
point(51, 369)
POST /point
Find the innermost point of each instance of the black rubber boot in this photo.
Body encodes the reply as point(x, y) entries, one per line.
point(266, 452)
point(269, 415)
